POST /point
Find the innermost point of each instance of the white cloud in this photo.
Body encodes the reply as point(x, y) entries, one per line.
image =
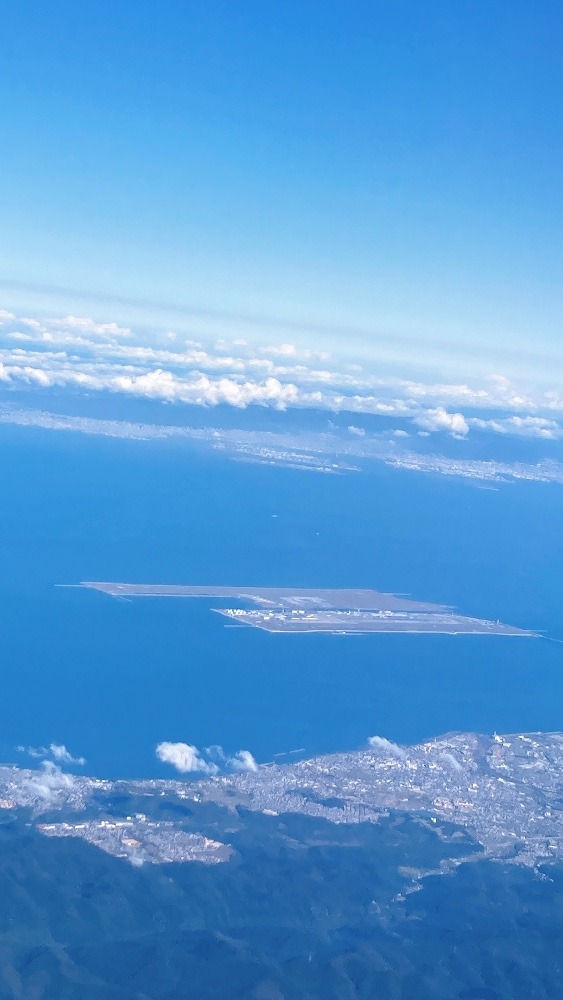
point(528, 427)
point(492, 392)
point(205, 391)
point(185, 758)
point(387, 747)
point(36, 752)
point(243, 761)
point(358, 431)
point(84, 324)
point(188, 759)
point(50, 785)
point(438, 419)
point(5, 316)
point(37, 375)
point(57, 751)
point(33, 324)
point(291, 351)
point(285, 350)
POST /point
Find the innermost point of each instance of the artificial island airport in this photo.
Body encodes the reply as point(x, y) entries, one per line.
point(333, 611)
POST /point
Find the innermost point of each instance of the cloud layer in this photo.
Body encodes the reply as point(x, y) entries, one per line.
point(81, 354)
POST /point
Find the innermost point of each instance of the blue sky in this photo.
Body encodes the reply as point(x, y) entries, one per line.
point(389, 168)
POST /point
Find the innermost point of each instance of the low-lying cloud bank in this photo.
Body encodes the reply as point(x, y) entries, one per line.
point(81, 354)
point(188, 759)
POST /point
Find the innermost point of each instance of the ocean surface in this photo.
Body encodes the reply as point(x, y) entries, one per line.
point(111, 679)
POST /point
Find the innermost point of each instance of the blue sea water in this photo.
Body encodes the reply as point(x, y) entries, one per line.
point(110, 679)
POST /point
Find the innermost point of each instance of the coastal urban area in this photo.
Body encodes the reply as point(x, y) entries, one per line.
point(505, 792)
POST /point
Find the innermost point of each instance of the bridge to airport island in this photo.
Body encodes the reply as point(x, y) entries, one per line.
point(335, 611)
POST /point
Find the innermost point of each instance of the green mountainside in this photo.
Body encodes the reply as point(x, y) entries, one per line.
point(305, 909)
